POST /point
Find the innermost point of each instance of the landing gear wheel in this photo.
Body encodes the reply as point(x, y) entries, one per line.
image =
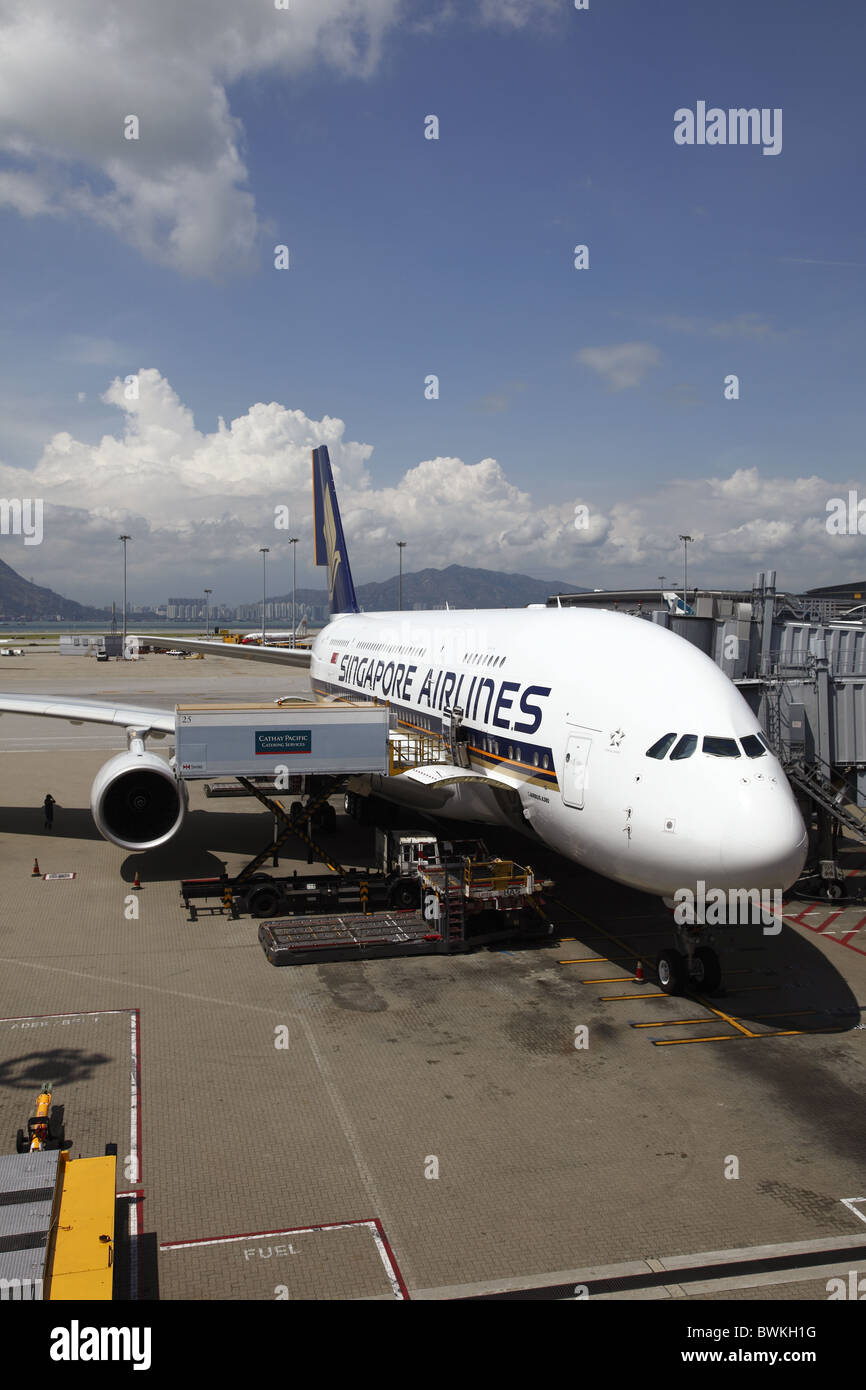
point(706, 970)
point(671, 968)
point(833, 891)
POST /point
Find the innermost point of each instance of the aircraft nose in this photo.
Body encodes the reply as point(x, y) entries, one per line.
point(767, 849)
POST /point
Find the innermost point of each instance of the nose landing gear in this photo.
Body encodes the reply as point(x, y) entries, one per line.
point(693, 967)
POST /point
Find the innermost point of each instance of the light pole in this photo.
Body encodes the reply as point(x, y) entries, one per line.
point(685, 540)
point(293, 541)
point(207, 594)
point(123, 646)
point(401, 546)
point(264, 552)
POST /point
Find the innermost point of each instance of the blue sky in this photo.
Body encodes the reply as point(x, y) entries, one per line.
point(412, 256)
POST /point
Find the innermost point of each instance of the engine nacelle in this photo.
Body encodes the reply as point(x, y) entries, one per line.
point(137, 802)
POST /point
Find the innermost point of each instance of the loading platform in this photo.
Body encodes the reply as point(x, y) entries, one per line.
point(349, 936)
point(56, 1226)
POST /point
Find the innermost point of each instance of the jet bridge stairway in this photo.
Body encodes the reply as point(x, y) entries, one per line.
point(834, 800)
point(836, 810)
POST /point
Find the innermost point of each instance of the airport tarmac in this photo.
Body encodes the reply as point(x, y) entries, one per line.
point(425, 1127)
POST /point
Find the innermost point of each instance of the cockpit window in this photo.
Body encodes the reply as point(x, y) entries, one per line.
point(752, 746)
point(686, 747)
point(660, 748)
point(720, 747)
point(766, 742)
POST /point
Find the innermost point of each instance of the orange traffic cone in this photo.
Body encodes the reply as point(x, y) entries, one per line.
point(136, 881)
point(638, 974)
point(37, 872)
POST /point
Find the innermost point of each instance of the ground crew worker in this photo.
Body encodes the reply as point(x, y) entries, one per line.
point(48, 807)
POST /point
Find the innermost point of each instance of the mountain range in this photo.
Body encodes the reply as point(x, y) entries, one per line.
point(456, 585)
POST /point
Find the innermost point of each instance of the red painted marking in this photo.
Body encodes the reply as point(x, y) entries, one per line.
point(136, 1072)
point(372, 1223)
point(810, 908)
point(254, 1235)
point(825, 924)
point(394, 1265)
point(842, 940)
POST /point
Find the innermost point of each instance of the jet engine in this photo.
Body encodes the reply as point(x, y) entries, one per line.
point(137, 801)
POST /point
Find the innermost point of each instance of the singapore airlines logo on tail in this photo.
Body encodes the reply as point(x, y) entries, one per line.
point(330, 528)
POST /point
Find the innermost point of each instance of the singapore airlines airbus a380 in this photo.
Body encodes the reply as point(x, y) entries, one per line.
point(614, 741)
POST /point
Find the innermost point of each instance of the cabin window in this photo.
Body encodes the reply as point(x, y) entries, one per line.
point(545, 760)
point(685, 748)
point(661, 746)
point(720, 747)
point(752, 746)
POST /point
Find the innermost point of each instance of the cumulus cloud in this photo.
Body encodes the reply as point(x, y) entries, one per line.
point(200, 504)
point(70, 75)
point(621, 365)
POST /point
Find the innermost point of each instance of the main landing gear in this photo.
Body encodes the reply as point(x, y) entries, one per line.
point(694, 967)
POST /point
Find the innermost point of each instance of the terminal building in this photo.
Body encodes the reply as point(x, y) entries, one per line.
point(800, 662)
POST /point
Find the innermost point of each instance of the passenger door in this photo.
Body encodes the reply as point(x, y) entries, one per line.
point(575, 780)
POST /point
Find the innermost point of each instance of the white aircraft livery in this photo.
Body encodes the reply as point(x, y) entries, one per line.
point(612, 740)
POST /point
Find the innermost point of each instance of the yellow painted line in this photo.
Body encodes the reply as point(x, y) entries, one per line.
point(608, 998)
point(732, 1037)
point(624, 946)
point(673, 1022)
point(720, 1013)
point(677, 1042)
point(584, 960)
point(612, 980)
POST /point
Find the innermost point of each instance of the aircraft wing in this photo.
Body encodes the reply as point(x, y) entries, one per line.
point(298, 657)
point(158, 722)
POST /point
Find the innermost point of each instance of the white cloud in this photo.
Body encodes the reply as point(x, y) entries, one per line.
point(198, 506)
point(621, 365)
point(70, 74)
point(745, 325)
point(516, 14)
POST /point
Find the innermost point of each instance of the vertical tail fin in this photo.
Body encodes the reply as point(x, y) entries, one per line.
point(330, 543)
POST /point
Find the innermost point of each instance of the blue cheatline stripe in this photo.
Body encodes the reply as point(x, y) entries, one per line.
point(545, 777)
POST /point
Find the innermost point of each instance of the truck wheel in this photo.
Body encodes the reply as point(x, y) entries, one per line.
point(404, 894)
point(671, 971)
point(22, 1145)
point(264, 901)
